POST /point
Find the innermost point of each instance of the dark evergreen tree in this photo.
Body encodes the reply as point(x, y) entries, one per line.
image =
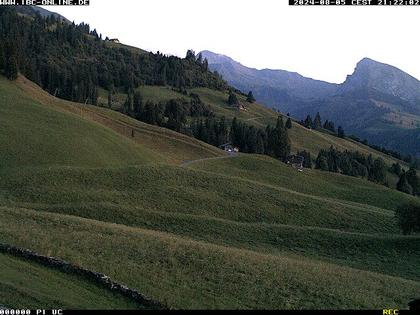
point(11, 70)
point(138, 103)
point(308, 123)
point(317, 124)
point(250, 97)
point(340, 132)
point(321, 161)
point(200, 58)
point(260, 145)
point(307, 160)
point(222, 132)
point(176, 112)
point(403, 184)
point(289, 123)
point(190, 55)
point(149, 113)
point(280, 142)
point(110, 98)
point(234, 132)
point(408, 216)
point(10, 57)
point(205, 64)
point(413, 180)
point(396, 169)
point(198, 108)
point(128, 104)
point(232, 99)
point(329, 125)
point(378, 171)
point(2, 57)
point(280, 123)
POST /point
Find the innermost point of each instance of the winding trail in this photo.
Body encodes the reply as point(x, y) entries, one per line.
point(253, 118)
point(229, 156)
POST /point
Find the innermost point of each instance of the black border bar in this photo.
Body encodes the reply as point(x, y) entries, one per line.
point(286, 312)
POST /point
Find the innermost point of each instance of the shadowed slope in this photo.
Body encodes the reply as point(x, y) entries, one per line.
point(189, 274)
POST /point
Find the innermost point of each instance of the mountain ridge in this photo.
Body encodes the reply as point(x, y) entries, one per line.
point(392, 80)
point(270, 77)
point(377, 101)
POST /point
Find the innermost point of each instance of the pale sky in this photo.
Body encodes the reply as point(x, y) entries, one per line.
point(323, 43)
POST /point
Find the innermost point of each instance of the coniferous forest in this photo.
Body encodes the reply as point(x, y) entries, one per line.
point(71, 61)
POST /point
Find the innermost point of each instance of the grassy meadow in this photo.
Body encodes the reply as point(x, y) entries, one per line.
point(111, 194)
point(164, 145)
point(185, 273)
point(28, 285)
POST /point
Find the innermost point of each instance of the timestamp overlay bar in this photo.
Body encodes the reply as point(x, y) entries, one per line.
point(44, 2)
point(354, 2)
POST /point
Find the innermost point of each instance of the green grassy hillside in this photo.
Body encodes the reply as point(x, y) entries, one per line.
point(163, 145)
point(185, 273)
point(99, 193)
point(241, 231)
point(29, 285)
point(313, 182)
point(34, 135)
point(177, 150)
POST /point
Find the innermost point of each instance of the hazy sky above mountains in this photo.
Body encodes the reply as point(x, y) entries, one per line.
point(320, 42)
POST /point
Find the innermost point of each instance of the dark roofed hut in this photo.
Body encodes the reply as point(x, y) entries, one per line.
point(229, 148)
point(295, 161)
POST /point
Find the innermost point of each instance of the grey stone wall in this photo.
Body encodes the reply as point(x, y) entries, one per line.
point(97, 277)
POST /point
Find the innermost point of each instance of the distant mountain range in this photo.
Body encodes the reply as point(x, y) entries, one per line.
point(378, 102)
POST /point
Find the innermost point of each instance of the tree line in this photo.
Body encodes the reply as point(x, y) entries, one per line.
point(71, 61)
point(353, 164)
point(195, 118)
point(272, 141)
point(317, 124)
point(406, 158)
point(409, 181)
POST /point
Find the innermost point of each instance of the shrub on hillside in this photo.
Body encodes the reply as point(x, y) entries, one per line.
point(408, 216)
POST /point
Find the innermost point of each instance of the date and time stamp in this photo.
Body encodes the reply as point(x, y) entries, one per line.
point(354, 2)
point(291, 2)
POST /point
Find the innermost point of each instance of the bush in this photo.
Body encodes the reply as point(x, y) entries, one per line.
point(408, 216)
point(232, 100)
